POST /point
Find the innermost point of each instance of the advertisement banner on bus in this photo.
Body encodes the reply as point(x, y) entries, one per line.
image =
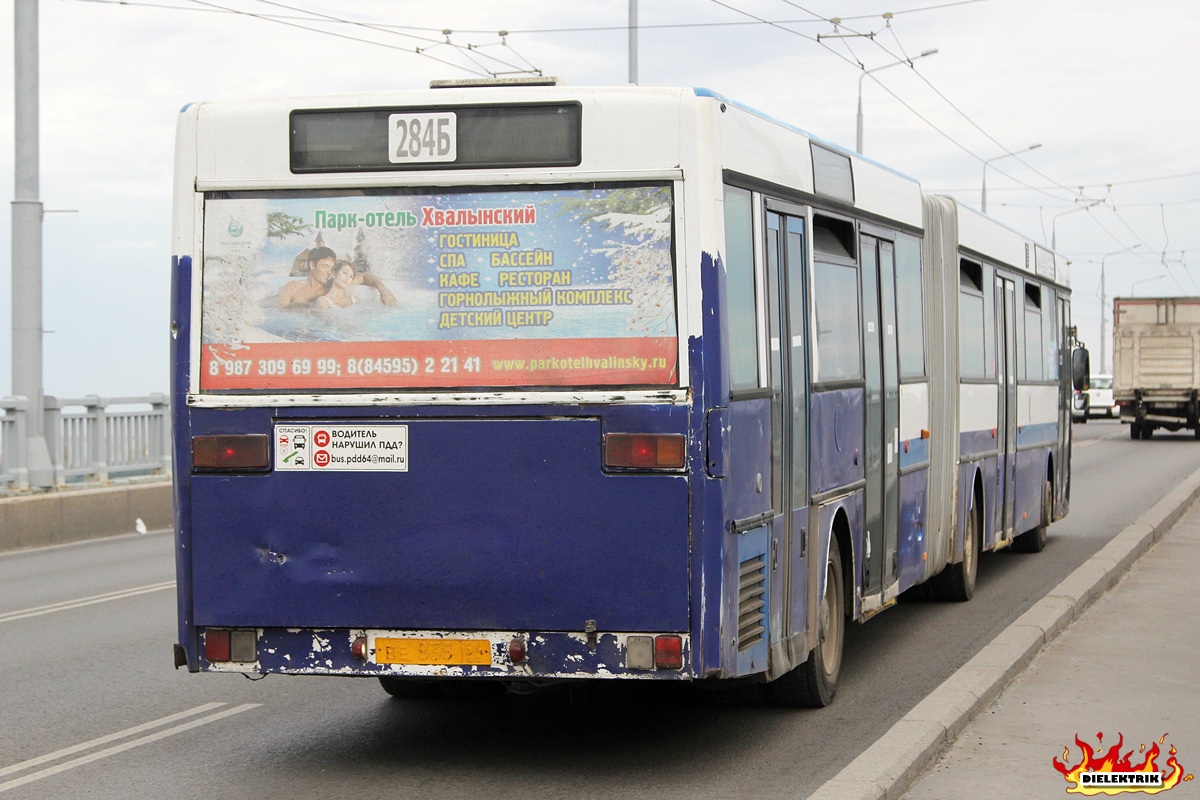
point(369, 289)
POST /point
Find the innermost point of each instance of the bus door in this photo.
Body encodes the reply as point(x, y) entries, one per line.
point(882, 495)
point(1006, 417)
point(787, 280)
point(1062, 481)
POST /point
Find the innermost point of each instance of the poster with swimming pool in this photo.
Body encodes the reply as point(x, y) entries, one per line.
point(369, 289)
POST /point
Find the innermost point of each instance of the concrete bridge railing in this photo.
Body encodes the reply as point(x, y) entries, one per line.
point(91, 440)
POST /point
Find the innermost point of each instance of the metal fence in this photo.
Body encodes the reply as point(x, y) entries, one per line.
point(90, 439)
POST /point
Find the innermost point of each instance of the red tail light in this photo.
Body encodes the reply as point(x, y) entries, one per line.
point(516, 650)
point(231, 644)
point(231, 453)
point(216, 645)
point(668, 651)
point(359, 648)
point(644, 451)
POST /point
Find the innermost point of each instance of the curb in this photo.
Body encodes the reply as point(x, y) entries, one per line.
point(889, 767)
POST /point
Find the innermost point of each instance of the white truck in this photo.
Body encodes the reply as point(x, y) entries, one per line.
point(1156, 363)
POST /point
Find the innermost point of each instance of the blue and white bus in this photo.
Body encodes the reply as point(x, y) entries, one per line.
point(518, 384)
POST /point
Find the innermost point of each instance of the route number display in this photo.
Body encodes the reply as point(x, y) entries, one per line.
point(422, 138)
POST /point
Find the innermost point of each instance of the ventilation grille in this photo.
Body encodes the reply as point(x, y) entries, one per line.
point(752, 612)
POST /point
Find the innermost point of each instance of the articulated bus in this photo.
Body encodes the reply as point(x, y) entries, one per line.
point(511, 385)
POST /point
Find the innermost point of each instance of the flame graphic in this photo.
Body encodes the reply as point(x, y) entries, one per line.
point(1111, 760)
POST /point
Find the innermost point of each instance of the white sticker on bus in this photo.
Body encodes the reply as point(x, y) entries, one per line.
point(341, 448)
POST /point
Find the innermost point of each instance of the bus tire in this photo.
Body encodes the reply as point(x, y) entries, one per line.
point(1147, 431)
point(813, 684)
point(1034, 541)
point(956, 583)
point(410, 688)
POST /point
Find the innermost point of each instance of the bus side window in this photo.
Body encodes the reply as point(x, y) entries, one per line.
point(739, 281)
point(1050, 335)
point(971, 360)
point(1033, 333)
point(910, 312)
point(836, 303)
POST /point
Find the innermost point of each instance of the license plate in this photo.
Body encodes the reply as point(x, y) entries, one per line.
point(476, 652)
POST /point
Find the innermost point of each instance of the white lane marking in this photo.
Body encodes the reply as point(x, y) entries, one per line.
point(112, 737)
point(121, 748)
point(1105, 437)
point(66, 605)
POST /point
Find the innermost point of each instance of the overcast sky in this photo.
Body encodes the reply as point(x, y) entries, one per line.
point(1106, 87)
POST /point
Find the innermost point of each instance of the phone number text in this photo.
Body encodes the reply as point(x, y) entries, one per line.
point(396, 365)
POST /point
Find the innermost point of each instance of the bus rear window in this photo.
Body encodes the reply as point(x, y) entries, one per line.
point(386, 290)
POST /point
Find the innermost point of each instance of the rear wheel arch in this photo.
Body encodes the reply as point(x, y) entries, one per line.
point(839, 531)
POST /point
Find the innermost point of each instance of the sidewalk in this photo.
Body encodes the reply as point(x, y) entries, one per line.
point(1130, 666)
point(1112, 651)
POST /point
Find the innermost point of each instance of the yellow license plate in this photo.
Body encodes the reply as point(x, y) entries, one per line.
point(433, 651)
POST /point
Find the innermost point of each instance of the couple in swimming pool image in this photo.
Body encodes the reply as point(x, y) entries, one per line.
point(329, 284)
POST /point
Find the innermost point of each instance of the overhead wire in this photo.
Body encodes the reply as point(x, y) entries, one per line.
point(1111, 204)
point(859, 64)
point(445, 32)
point(1097, 185)
point(334, 34)
point(1108, 200)
point(904, 57)
point(466, 51)
point(1056, 184)
point(839, 23)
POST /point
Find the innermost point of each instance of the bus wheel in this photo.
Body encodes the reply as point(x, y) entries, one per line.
point(1034, 541)
point(814, 683)
point(410, 688)
point(1147, 430)
point(956, 582)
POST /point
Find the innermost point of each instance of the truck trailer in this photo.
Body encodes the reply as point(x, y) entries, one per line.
point(1156, 363)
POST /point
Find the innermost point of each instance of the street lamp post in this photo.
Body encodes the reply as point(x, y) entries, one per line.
point(1104, 302)
point(859, 139)
point(1133, 293)
point(1087, 204)
point(27, 215)
point(633, 41)
point(983, 198)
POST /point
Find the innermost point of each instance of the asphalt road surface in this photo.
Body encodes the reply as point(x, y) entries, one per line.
point(91, 707)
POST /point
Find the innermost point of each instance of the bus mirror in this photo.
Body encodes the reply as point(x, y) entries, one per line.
point(1080, 369)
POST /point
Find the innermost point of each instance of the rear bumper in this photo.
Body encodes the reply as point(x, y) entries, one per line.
point(548, 654)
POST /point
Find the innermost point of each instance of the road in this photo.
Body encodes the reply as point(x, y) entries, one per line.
point(91, 707)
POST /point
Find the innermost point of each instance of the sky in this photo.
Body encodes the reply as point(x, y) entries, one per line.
point(1105, 87)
